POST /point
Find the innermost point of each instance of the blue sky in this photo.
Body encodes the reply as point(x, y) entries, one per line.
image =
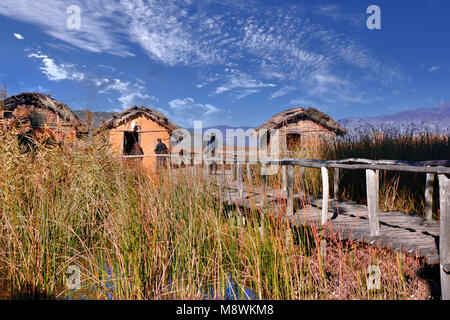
point(229, 62)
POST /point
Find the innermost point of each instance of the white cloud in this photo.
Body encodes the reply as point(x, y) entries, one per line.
point(130, 93)
point(244, 93)
point(243, 83)
point(100, 82)
point(334, 12)
point(57, 72)
point(185, 111)
point(18, 36)
point(282, 92)
point(188, 104)
point(99, 30)
point(434, 68)
point(276, 44)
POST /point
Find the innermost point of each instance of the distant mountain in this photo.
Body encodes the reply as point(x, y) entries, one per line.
point(98, 117)
point(435, 119)
point(230, 140)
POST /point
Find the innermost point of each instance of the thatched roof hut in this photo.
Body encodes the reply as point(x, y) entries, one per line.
point(300, 126)
point(40, 113)
point(284, 118)
point(134, 112)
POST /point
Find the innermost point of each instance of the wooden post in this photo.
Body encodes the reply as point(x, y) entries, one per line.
point(429, 186)
point(303, 179)
point(233, 168)
point(290, 190)
point(283, 174)
point(373, 187)
point(249, 175)
point(206, 169)
point(263, 180)
point(223, 172)
point(263, 187)
point(325, 195)
point(336, 183)
point(239, 179)
point(444, 235)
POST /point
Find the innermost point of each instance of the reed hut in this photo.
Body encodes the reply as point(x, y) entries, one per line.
point(136, 130)
point(40, 115)
point(299, 126)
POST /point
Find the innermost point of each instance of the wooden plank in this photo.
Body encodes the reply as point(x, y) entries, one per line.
point(373, 189)
point(325, 195)
point(444, 241)
point(429, 184)
point(239, 179)
point(290, 190)
point(283, 175)
point(303, 169)
point(418, 167)
point(336, 183)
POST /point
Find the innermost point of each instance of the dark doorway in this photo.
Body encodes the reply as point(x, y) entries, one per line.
point(129, 140)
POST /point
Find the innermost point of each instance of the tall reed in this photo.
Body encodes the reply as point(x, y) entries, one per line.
point(139, 235)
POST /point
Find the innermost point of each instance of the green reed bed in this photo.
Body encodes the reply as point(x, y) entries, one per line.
point(136, 235)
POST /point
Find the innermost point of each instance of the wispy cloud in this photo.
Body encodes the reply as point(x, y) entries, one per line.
point(99, 31)
point(57, 72)
point(336, 13)
point(434, 68)
point(18, 36)
point(282, 92)
point(185, 111)
point(242, 83)
point(275, 46)
point(129, 93)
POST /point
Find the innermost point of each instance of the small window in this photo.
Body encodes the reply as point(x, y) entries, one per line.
point(293, 141)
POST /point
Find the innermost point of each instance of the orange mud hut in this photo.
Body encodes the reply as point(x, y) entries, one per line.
point(139, 125)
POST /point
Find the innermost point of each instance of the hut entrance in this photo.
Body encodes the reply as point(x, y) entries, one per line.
point(293, 141)
point(131, 140)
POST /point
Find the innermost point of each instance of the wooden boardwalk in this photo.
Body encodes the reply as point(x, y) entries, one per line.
point(348, 221)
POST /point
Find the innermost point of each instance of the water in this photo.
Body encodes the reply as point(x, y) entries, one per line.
point(108, 287)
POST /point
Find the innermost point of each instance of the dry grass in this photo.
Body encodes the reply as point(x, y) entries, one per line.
point(141, 236)
point(398, 191)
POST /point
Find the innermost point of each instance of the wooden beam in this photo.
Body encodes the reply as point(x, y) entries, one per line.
point(429, 186)
point(249, 173)
point(439, 167)
point(283, 175)
point(239, 179)
point(444, 235)
point(373, 187)
point(303, 179)
point(205, 169)
point(336, 184)
point(290, 190)
point(325, 195)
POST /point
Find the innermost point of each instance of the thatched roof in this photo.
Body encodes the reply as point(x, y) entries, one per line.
point(45, 102)
point(134, 112)
point(297, 114)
